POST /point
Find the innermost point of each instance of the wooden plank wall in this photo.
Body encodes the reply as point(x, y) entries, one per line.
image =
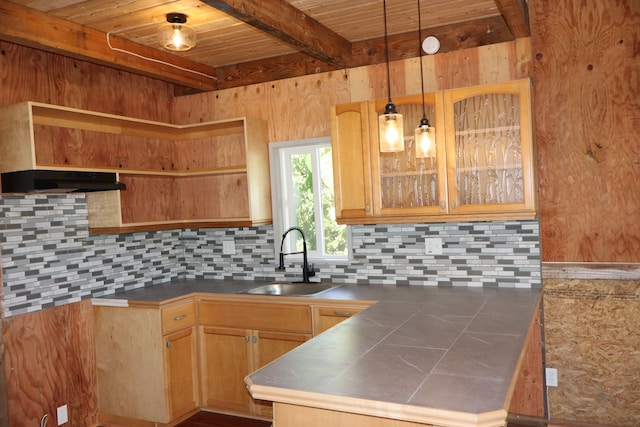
point(299, 108)
point(47, 356)
point(586, 68)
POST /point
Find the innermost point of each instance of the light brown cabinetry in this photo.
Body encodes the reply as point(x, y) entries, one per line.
point(483, 169)
point(239, 337)
point(204, 174)
point(146, 361)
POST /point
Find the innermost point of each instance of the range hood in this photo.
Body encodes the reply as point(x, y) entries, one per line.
point(59, 181)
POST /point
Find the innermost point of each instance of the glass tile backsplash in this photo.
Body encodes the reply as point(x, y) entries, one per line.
point(48, 257)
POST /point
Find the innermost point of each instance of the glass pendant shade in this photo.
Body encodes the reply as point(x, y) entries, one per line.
point(176, 35)
point(391, 129)
point(425, 140)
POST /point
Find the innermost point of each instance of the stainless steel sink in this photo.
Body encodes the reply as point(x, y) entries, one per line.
point(290, 289)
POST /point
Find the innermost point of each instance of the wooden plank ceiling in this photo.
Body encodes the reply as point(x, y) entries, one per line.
point(241, 42)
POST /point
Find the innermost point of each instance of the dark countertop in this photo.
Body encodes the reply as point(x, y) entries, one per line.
point(440, 355)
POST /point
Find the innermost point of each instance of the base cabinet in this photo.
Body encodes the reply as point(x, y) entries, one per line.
point(146, 361)
point(237, 338)
point(229, 355)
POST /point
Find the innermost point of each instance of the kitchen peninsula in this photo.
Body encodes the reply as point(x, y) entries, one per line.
point(419, 356)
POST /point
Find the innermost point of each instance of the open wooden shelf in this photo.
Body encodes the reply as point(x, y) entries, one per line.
point(207, 174)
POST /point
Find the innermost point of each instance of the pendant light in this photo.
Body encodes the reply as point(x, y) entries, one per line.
point(176, 35)
point(425, 134)
point(390, 124)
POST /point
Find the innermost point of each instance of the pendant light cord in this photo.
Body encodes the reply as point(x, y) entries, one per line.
point(386, 50)
point(424, 108)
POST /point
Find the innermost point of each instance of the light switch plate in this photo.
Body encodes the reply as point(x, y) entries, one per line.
point(229, 247)
point(63, 416)
point(433, 245)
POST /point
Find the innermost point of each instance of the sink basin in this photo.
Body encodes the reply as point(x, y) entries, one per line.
point(290, 289)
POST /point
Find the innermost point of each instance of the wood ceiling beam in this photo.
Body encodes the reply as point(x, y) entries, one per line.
point(29, 27)
point(291, 26)
point(516, 14)
point(401, 46)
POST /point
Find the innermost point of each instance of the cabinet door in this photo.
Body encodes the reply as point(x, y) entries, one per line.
point(267, 346)
point(405, 185)
point(490, 149)
point(351, 169)
point(224, 364)
point(180, 372)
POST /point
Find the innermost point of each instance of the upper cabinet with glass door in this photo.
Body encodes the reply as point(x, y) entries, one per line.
point(490, 153)
point(405, 183)
point(483, 167)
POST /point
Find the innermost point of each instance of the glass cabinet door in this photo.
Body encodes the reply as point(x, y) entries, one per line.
point(490, 148)
point(404, 184)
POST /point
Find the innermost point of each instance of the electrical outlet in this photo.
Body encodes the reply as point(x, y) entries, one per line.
point(551, 377)
point(63, 416)
point(229, 247)
point(433, 245)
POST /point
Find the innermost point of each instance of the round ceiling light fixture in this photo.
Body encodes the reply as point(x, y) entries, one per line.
point(176, 35)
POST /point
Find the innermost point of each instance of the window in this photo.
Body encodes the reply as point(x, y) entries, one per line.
point(302, 196)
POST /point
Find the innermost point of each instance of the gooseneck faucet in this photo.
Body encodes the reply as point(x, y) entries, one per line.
point(306, 271)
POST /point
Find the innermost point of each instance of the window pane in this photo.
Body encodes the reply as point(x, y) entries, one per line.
point(303, 205)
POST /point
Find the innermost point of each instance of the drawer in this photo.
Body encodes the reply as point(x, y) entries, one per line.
point(179, 316)
point(262, 316)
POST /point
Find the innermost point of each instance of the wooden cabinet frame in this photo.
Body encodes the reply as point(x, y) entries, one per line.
point(213, 174)
point(358, 169)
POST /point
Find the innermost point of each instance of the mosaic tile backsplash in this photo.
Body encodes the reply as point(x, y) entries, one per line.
point(48, 257)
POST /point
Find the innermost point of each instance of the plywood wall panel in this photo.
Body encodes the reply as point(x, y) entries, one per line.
point(50, 361)
point(88, 86)
point(587, 95)
point(23, 74)
point(592, 339)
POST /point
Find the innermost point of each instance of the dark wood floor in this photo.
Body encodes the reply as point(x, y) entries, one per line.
point(209, 419)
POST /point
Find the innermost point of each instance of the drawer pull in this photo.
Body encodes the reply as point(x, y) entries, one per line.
point(342, 313)
point(179, 318)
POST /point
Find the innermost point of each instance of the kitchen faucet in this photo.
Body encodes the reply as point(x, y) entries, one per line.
point(306, 271)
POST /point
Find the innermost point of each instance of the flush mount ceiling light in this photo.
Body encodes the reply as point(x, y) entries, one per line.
point(425, 134)
point(390, 124)
point(176, 35)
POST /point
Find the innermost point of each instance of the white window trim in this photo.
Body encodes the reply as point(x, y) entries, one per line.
point(278, 204)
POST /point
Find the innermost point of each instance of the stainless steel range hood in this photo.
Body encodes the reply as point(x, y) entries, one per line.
point(59, 181)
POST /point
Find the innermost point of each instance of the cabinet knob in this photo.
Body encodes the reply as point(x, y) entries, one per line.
point(367, 208)
point(453, 205)
point(246, 338)
point(255, 339)
point(443, 205)
point(168, 344)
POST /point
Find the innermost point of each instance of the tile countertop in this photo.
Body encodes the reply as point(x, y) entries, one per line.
point(434, 355)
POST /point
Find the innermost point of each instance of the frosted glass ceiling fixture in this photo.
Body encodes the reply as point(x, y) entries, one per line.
point(176, 35)
point(390, 124)
point(425, 134)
